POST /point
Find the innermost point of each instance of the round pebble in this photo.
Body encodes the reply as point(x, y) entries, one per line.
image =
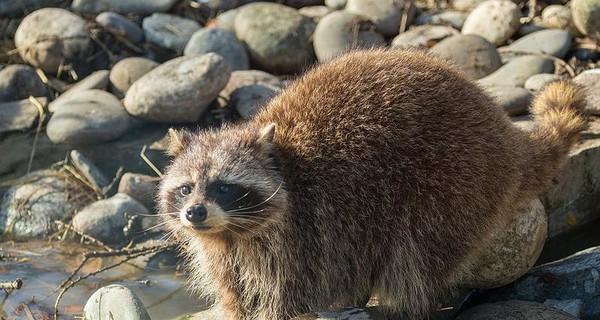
point(50, 37)
point(554, 42)
point(590, 80)
point(386, 15)
point(120, 25)
point(168, 30)
point(244, 78)
point(341, 31)
point(424, 36)
point(96, 80)
point(530, 28)
point(514, 100)
point(248, 100)
point(475, 56)
point(20, 81)
point(141, 187)
point(225, 20)
point(88, 117)
point(179, 90)
point(115, 302)
point(586, 17)
point(537, 81)
point(516, 71)
point(315, 13)
point(557, 16)
point(278, 38)
point(141, 7)
point(494, 20)
point(336, 4)
point(219, 41)
point(125, 72)
point(456, 19)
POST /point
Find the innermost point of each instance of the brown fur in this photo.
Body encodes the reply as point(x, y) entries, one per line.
point(385, 171)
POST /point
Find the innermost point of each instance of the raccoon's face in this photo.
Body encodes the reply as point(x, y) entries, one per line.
point(222, 182)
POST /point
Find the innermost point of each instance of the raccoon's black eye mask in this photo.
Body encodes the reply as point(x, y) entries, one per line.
point(231, 196)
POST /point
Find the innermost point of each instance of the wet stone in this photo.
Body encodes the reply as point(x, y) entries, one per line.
point(537, 81)
point(120, 25)
point(115, 302)
point(475, 56)
point(169, 31)
point(518, 70)
point(88, 117)
point(125, 72)
point(20, 81)
point(424, 36)
point(219, 41)
point(494, 20)
point(248, 100)
point(590, 80)
point(141, 7)
point(554, 42)
point(96, 80)
point(50, 37)
point(179, 90)
point(19, 115)
point(386, 15)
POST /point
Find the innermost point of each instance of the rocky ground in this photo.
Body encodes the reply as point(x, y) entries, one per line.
point(88, 89)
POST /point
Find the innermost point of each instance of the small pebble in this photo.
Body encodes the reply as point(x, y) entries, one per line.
point(518, 70)
point(494, 20)
point(475, 56)
point(456, 19)
point(557, 16)
point(120, 25)
point(140, 7)
point(554, 42)
point(315, 13)
point(386, 15)
point(514, 100)
point(586, 17)
point(19, 115)
point(224, 20)
point(125, 72)
point(424, 36)
point(248, 100)
point(115, 302)
point(537, 81)
point(141, 187)
point(19, 81)
point(179, 90)
point(590, 80)
point(244, 78)
point(96, 80)
point(88, 169)
point(219, 41)
point(169, 31)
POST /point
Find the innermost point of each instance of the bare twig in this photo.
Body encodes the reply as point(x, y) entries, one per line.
point(12, 285)
point(40, 108)
point(149, 163)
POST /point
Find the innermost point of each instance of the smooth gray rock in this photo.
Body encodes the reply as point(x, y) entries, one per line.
point(514, 310)
point(501, 27)
point(424, 36)
point(386, 15)
point(179, 90)
point(336, 4)
point(225, 20)
point(141, 7)
point(141, 187)
point(554, 42)
point(456, 19)
point(278, 38)
point(573, 307)
point(168, 30)
point(590, 80)
point(530, 28)
point(120, 25)
point(30, 207)
point(115, 302)
point(18, 81)
point(105, 219)
point(475, 56)
point(19, 115)
point(125, 72)
point(15, 9)
point(586, 17)
point(537, 81)
point(518, 70)
point(315, 13)
point(219, 41)
point(341, 31)
point(242, 78)
point(50, 37)
point(88, 117)
point(96, 80)
point(248, 100)
point(514, 100)
point(88, 169)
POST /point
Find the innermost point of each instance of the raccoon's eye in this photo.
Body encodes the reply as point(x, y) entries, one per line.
point(224, 188)
point(185, 190)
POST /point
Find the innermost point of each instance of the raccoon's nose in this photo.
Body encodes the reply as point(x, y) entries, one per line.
point(196, 213)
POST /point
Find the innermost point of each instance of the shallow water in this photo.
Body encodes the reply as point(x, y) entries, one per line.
point(44, 265)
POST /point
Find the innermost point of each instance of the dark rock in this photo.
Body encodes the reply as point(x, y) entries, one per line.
point(248, 100)
point(18, 82)
point(475, 56)
point(169, 31)
point(120, 25)
point(514, 310)
point(141, 7)
point(19, 115)
point(141, 187)
point(15, 9)
point(89, 170)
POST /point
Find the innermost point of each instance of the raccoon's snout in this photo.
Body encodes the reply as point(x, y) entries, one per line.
point(196, 214)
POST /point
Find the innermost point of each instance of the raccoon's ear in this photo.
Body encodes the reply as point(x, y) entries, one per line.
point(267, 133)
point(178, 140)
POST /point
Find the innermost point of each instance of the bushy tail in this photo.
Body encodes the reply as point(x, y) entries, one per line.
point(558, 113)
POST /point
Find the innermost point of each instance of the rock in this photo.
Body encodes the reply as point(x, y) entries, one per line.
point(456, 19)
point(278, 38)
point(141, 187)
point(573, 307)
point(466, 5)
point(120, 25)
point(369, 313)
point(248, 100)
point(537, 81)
point(315, 13)
point(574, 277)
point(50, 37)
point(422, 37)
point(88, 117)
point(225, 20)
point(219, 41)
point(511, 251)
point(125, 72)
point(19, 115)
point(336, 4)
point(96, 80)
point(475, 56)
point(30, 207)
point(584, 54)
point(115, 302)
point(18, 81)
point(517, 70)
point(590, 80)
point(168, 30)
point(514, 310)
point(140, 7)
point(494, 20)
point(586, 17)
point(298, 4)
point(244, 78)
point(16, 9)
point(105, 219)
point(530, 28)
point(341, 31)
point(554, 42)
point(386, 15)
point(164, 259)
point(557, 16)
point(179, 90)
point(89, 170)
point(514, 100)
